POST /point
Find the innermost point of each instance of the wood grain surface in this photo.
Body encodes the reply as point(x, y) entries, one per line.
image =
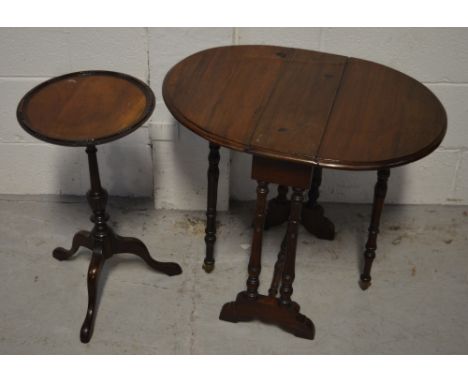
point(85, 107)
point(305, 106)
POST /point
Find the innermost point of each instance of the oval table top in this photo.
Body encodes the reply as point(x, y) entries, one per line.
point(89, 107)
point(305, 106)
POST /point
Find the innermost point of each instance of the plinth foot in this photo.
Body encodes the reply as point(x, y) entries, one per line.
point(312, 217)
point(314, 220)
point(269, 310)
point(277, 212)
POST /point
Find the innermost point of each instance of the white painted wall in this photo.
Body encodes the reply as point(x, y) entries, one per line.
point(169, 162)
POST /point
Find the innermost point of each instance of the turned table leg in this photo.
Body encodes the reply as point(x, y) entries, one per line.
point(104, 243)
point(291, 243)
point(254, 267)
point(314, 190)
point(313, 218)
point(278, 270)
point(379, 196)
point(249, 304)
point(278, 208)
point(210, 231)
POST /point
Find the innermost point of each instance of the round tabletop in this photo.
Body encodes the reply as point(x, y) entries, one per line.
point(305, 106)
point(83, 108)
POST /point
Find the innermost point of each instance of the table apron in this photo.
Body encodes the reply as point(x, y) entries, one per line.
point(281, 172)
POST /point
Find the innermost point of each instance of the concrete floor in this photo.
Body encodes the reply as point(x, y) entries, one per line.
point(418, 302)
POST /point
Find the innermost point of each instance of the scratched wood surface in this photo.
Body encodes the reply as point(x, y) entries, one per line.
point(85, 107)
point(305, 106)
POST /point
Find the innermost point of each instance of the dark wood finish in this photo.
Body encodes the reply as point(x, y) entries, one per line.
point(104, 243)
point(90, 107)
point(313, 218)
point(292, 106)
point(369, 255)
point(278, 270)
point(254, 267)
point(268, 310)
point(225, 94)
point(381, 118)
point(281, 172)
point(86, 109)
point(278, 208)
point(250, 305)
point(314, 190)
point(305, 106)
point(291, 242)
point(212, 196)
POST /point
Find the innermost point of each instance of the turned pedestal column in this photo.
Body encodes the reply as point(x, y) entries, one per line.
point(87, 109)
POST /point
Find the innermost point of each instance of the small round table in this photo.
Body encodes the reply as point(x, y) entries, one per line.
point(295, 111)
point(87, 109)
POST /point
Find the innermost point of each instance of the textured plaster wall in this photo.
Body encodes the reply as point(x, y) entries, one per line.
point(168, 161)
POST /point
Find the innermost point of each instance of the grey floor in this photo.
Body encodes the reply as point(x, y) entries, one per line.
point(418, 302)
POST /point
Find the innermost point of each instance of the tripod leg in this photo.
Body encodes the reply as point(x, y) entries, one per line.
point(135, 246)
point(94, 271)
point(81, 239)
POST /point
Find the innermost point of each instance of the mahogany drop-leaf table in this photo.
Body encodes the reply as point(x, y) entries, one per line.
point(295, 110)
point(86, 109)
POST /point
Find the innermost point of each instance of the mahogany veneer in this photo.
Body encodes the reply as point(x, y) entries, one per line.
point(298, 111)
point(305, 106)
point(87, 109)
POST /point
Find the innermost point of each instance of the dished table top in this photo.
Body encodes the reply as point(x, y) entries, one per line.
point(89, 107)
point(305, 106)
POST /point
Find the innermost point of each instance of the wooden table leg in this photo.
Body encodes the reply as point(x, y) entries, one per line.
point(291, 243)
point(313, 218)
point(94, 272)
point(104, 243)
point(278, 208)
point(241, 309)
point(210, 231)
point(255, 265)
point(278, 270)
point(251, 305)
point(379, 197)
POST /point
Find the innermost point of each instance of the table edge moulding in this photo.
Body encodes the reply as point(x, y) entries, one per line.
point(298, 111)
point(317, 157)
point(146, 113)
point(59, 107)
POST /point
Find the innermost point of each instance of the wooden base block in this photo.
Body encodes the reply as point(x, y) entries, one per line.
point(268, 309)
point(277, 212)
point(314, 220)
